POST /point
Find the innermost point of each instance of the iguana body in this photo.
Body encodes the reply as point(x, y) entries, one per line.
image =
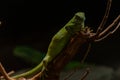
point(58, 42)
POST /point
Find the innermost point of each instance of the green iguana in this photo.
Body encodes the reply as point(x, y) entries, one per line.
point(58, 42)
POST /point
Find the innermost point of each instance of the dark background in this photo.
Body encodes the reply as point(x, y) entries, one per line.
point(33, 24)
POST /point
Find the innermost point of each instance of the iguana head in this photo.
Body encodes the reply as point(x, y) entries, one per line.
point(76, 23)
point(79, 17)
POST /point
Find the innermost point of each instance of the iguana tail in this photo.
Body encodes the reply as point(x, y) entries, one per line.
point(32, 72)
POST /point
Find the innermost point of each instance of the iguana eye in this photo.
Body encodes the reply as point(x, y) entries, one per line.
point(79, 19)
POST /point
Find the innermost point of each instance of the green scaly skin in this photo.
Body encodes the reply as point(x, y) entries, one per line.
point(58, 42)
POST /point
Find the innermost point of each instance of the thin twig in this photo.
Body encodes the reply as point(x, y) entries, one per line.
point(107, 29)
point(86, 54)
point(85, 74)
point(4, 73)
point(110, 26)
point(105, 17)
point(69, 75)
point(10, 73)
point(108, 33)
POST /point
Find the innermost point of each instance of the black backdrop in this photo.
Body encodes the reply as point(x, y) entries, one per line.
point(33, 23)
